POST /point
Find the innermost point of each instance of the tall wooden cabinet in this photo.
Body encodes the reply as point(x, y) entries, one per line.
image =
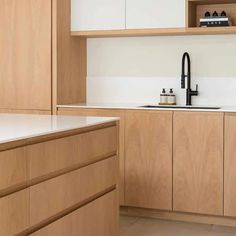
point(38, 56)
point(25, 48)
point(198, 162)
point(148, 159)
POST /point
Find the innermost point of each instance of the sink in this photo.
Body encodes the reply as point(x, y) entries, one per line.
point(182, 107)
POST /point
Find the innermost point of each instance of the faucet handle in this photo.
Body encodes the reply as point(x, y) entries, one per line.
point(196, 87)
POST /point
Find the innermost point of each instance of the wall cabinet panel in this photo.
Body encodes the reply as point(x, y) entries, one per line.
point(97, 15)
point(143, 14)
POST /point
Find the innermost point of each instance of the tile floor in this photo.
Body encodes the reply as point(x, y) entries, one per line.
point(134, 226)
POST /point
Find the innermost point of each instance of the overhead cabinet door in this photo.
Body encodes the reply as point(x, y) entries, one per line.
point(25, 49)
point(97, 15)
point(142, 14)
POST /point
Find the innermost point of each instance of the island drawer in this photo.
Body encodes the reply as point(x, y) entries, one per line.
point(52, 197)
point(14, 213)
point(101, 217)
point(13, 170)
point(54, 156)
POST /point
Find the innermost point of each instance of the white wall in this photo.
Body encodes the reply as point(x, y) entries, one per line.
point(136, 69)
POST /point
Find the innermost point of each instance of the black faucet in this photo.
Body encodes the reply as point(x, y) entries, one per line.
point(189, 91)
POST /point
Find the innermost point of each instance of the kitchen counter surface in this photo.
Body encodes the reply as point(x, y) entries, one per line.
point(15, 127)
point(136, 106)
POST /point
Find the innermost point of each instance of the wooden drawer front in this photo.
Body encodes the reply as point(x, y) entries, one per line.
point(52, 156)
point(58, 194)
point(13, 170)
point(106, 113)
point(99, 218)
point(14, 213)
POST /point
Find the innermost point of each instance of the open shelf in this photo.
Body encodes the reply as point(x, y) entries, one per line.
point(196, 9)
point(155, 32)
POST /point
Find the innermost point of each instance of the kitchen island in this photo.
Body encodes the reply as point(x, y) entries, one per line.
point(58, 175)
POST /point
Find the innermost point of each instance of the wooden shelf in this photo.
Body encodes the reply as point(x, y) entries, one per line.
point(155, 32)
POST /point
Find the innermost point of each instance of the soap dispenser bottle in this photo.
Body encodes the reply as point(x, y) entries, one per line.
point(171, 99)
point(163, 97)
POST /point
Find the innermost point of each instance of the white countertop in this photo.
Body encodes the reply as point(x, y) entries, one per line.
point(136, 106)
point(15, 127)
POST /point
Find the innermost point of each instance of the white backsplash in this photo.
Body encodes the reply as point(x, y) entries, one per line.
point(134, 70)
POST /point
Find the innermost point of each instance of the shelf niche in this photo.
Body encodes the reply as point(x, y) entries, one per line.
point(196, 9)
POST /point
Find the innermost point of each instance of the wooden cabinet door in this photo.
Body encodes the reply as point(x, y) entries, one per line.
point(229, 167)
point(198, 162)
point(97, 15)
point(141, 14)
point(109, 113)
point(148, 159)
point(25, 49)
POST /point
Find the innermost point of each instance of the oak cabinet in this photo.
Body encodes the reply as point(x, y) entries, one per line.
point(198, 162)
point(143, 14)
point(229, 167)
point(101, 214)
point(25, 48)
point(97, 15)
point(40, 64)
point(109, 113)
point(148, 159)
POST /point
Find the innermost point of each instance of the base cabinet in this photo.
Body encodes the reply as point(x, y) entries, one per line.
point(101, 214)
point(198, 162)
point(148, 159)
point(230, 165)
point(109, 113)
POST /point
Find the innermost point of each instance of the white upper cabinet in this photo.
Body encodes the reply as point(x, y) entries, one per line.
point(97, 15)
point(141, 14)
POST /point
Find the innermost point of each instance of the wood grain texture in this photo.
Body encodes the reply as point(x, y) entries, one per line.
point(198, 162)
point(111, 113)
point(13, 169)
point(51, 197)
point(148, 159)
point(14, 213)
point(25, 48)
point(53, 156)
point(99, 217)
point(229, 167)
point(71, 59)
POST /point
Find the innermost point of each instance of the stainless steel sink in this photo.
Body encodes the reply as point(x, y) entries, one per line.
point(182, 107)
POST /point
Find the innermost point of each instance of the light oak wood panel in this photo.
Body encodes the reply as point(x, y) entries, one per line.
point(148, 159)
point(155, 32)
point(198, 162)
point(25, 48)
point(178, 216)
point(229, 167)
point(13, 169)
point(54, 196)
point(71, 59)
point(53, 156)
point(14, 213)
point(111, 113)
point(99, 218)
